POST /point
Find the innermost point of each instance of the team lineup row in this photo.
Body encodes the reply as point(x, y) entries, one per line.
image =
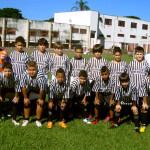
point(76, 83)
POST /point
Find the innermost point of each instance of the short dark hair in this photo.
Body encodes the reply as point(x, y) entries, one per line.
point(104, 69)
point(139, 49)
point(83, 73)
point(32, 64)
point(58, 45)
point(117, 49)
point(42, 41)
point(124, 77)
point(98, 48)
point(7, 65)
point(60, 70)
point(78, 47)
point(20, 39)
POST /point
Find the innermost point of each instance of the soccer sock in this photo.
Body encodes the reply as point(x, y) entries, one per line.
point(1, 106)
point(84, 111)
point(50, 115)
point(62, 114)
point(143, 119)
point(14, 110)
point(117, 115)
point(136, 121)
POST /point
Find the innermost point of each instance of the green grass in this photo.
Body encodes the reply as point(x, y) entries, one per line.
point(78, 135)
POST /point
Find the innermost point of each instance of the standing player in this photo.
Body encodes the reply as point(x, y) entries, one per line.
point(3, 57)
point(59, 60)
point(10, 87)
point(78, 63)
point(80, 91)
point(33, 86)
point(59, 96)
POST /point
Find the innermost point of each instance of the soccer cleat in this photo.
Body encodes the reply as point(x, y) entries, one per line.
point(114, 126)
point(62, 124)
point(86, 120)
point(112, 123)
point(15, 122)
point(95, 121)
point(142, 129)
point(38, 123)
point(50, 124)
point(25, 122)
point(106, 119)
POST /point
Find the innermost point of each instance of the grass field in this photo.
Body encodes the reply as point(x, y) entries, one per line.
point(77, 136)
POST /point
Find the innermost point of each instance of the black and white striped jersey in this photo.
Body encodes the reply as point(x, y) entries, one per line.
point(138, 71)
point(116, 69)
point(34, 84)
point(77, 65)
point(19, 62)
point(127, 95)
point(11, 83)
point(60, 62)
point(76, 89)
point(58, 91)
point(94, 66)
point(104, 87)
point(146, 86)
point(42, 60)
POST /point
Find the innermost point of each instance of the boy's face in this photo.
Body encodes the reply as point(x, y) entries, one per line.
point(32, 71)
point(7, 72)
point(117, 56)
point(41, 47)
point(82, 80)
point(19, 46)
point(105, 75)
point(124, 84)
point(60, 77)
point(58, 51)
point(78, 53)
point(97, 55)
point(139, 56)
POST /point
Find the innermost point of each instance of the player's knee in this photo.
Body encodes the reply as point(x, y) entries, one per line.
point(135, 112)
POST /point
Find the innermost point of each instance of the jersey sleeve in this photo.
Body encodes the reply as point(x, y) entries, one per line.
point(96, 86)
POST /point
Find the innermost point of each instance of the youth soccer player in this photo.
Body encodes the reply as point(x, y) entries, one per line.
point(59, 96)
point(9, 88)
point(104, 88)
point(80, 91)
point(78, 63)
point(3, 57)
point(33, 86)
point(126, 98)
point(59, 60)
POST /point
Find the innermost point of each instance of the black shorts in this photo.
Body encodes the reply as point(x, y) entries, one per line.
point(104, 98)
point(34, 95)
point(8, 93)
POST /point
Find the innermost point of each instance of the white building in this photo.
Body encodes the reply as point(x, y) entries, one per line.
point(127, 33)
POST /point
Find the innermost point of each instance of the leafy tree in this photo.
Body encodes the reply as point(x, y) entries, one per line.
point(134, 17)
point(50, 20)
point(11, 13)
point(80, 5)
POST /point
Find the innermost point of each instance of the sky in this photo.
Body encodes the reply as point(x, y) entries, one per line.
point(45, 9)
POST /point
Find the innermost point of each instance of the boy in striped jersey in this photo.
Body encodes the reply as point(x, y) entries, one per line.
point(126, 98)
point(59, 60)
point(59, 96)
point(104, 88)
point(33, 86)
point(9, 88)
point(78, 63)
point(80, 91)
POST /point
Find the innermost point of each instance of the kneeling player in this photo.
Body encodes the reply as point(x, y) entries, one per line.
point(59, 96)
point(10, 87)
point(126, 97)
point(80, 92)
point(33, 85)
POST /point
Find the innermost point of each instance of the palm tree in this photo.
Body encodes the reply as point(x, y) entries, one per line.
point(80, 5)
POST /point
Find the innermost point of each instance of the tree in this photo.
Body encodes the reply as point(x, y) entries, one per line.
point(50, 20)
point(11, 13)
point(80, 5)
point(134, 17)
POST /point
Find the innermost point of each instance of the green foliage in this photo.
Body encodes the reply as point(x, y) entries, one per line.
point(11, 13)
point(80, 5)
point(134, 17)
point(50, 20)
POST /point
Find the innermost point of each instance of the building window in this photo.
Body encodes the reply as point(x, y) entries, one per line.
point(144, 37)
point(120, 35)
point(108, 35)
point(75, 30)
point(11, 31)
point(145, 27)
point(43, 33)
point(0, 30)
point(108, 21)
point(133, 25)
point(132, 36)
point(82, 31)
point(92, 35)
point(55, 34)
point(33, 32)
point(121, 23)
